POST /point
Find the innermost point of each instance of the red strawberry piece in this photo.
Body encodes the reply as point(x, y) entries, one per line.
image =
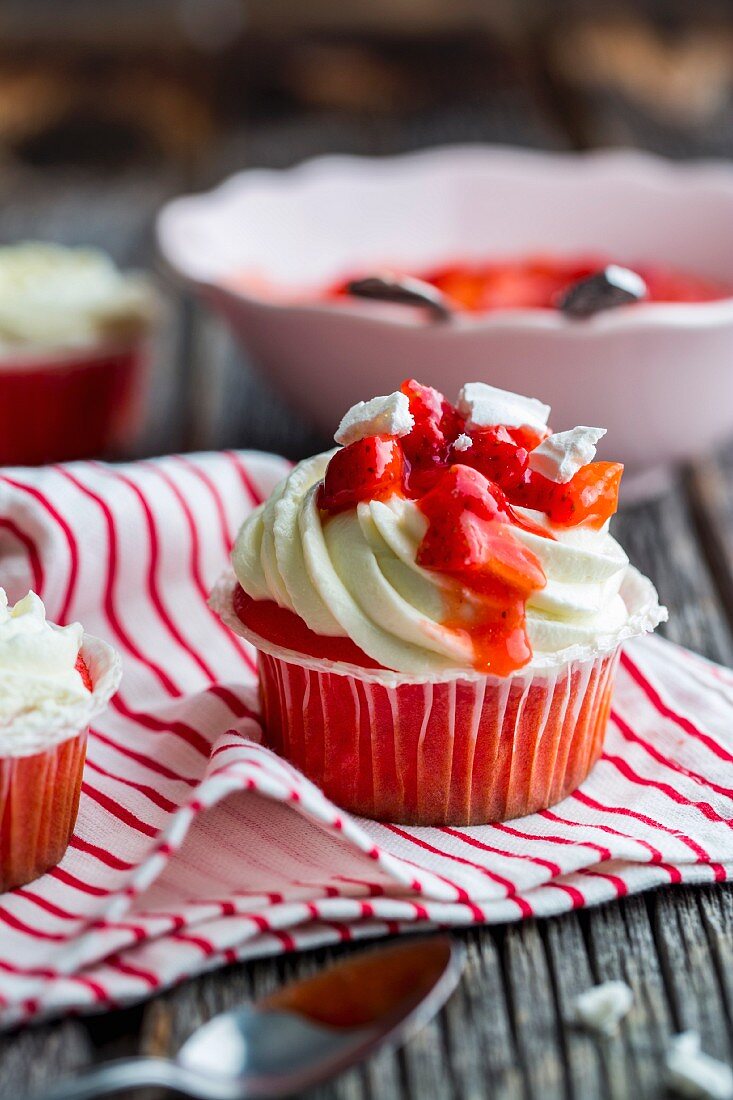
point(591, 497)
point(427, 447)
point(496, 454)
point(369, 469)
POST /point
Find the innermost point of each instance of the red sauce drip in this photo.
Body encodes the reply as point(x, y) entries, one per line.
point(538, 282)
point(470, 538)
point(81, 668)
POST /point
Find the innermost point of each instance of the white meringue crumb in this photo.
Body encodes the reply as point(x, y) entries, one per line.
point(388, 415)
point(560, 456)
point(602, 1007)
point(486, 406)
point(462, 443)
point(693, 1073)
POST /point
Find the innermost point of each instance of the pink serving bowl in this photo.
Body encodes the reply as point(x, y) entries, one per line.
point(658, 376)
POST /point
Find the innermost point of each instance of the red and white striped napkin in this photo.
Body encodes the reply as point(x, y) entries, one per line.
point(196, 846)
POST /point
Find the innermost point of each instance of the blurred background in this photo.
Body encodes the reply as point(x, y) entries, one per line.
point(109, 109)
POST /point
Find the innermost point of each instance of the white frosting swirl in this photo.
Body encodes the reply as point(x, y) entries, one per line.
point(38, 675)
point(354, 574)
point(55, 297)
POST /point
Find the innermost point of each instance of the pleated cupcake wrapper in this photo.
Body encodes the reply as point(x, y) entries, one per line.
point(82, 405)
point(39, 799)
point(464, 749)
point(461, 752)
point(39, 790)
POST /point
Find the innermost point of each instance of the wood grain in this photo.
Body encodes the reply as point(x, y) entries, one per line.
point(31, 1059)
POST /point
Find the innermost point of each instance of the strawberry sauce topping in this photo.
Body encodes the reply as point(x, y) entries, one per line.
point(468, 484)
point(471, 484)
point(81, 668)
point(470, 538)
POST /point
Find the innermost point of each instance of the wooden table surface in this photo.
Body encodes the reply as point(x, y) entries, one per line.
point(505, 1032)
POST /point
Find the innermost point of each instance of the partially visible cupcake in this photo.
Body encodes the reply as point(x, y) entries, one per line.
point(73, 351)
point(439, 607)
point(53, 681)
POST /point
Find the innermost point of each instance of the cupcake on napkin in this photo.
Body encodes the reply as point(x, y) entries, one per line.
point(53, 681)
point(438, 607)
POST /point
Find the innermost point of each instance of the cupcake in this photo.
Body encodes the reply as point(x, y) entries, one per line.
point(438, 607)
point(53, 681)
point(73, 353)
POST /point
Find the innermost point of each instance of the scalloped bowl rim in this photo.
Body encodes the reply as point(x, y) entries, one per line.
point(632, 165)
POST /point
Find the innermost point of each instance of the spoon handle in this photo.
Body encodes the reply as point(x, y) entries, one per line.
point(127, 1073)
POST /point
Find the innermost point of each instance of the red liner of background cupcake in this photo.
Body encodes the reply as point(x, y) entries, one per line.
point(77, 405)
point(74, 352)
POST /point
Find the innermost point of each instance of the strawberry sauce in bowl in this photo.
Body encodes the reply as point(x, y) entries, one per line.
point(543, 282)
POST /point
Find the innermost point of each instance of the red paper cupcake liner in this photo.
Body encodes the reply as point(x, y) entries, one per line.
point(41, 774)
point(39, 800)
point(455, 749)
point(77, 406)
point(455, 752)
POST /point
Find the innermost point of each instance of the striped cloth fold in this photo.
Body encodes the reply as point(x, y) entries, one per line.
point(196, 846)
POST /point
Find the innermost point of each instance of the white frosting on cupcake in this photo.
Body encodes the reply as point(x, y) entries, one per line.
point(38, 674)
point(43, 698)
point(355, 575)
point(54, 298)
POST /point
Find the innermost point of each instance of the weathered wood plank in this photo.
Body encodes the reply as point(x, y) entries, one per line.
point(716, 907)
point(478, 1034)
point(33, 1059)
point(622, 946)
point(711, 497)
point(571, 972)
point(688, 966)
point(660, 538)
point(535, 1019)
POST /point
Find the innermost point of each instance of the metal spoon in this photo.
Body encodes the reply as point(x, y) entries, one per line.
point(299, 1036)
point(403, 290)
